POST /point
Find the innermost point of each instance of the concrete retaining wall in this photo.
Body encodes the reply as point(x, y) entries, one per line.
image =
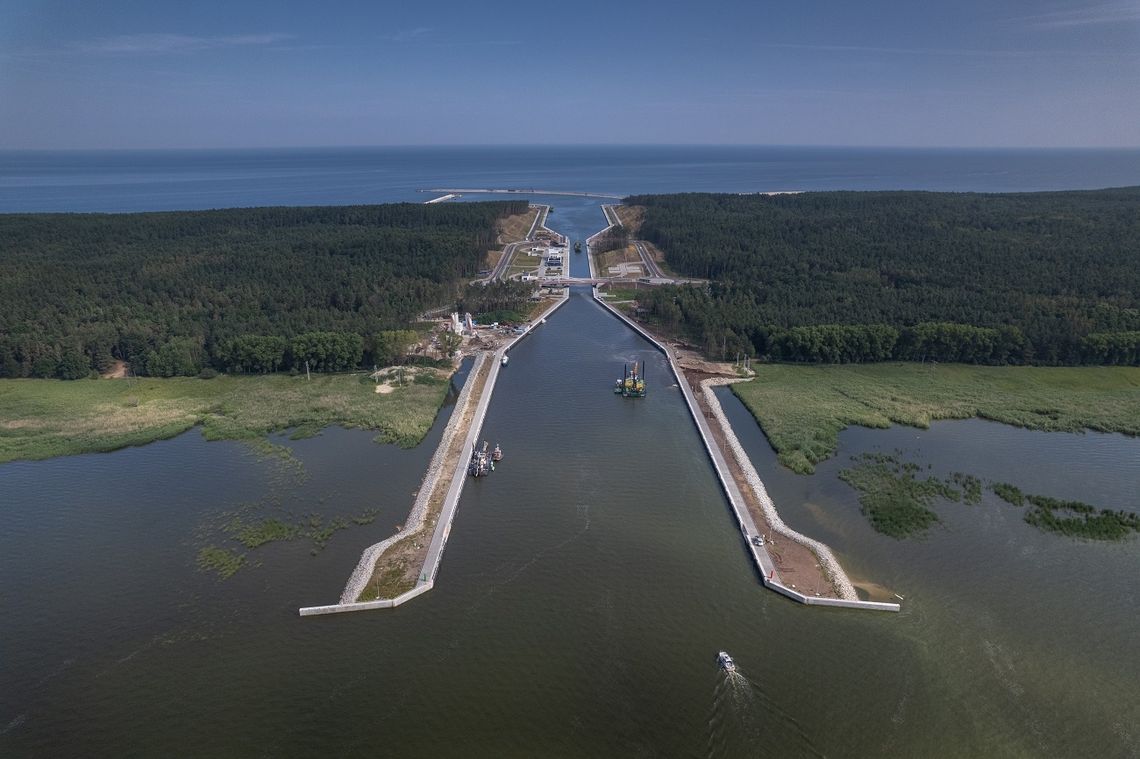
point(760, 556)
point(383, 603)
point(838, 602)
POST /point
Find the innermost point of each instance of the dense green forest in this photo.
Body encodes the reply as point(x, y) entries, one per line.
point(255, 289)
point(1046, 278)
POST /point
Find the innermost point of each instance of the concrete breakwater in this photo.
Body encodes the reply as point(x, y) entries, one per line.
point(415, 521)
point(834, 572)
point(433, 480)
point(760, 555)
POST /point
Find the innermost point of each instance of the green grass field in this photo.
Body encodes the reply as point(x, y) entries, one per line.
point(44, 418)
point(802, 409)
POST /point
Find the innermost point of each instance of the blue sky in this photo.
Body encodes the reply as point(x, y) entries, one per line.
point(115, 74)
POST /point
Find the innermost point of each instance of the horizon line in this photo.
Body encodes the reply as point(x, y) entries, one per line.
point(447, 145)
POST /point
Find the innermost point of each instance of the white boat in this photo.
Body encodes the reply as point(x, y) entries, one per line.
point(725, 661)
point(505, 359)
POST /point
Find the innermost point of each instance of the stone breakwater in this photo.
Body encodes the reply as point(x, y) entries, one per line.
point(830, 565)
point(415, 521)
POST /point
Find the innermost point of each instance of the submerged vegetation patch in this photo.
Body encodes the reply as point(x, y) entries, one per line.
point(224, 561)
point(252, 535)
point(1011, 494)
point(248, 526)
point(1074, 518)
point(897, 501)
point(971, 487)
point(893, 496)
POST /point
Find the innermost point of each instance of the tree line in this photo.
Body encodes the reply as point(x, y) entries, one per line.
point(1046, 278)
point(252, 290)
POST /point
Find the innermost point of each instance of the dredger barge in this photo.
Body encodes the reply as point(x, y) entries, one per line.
point(632, 383)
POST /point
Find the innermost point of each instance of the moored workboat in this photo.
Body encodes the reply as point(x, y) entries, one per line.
point(482, 461)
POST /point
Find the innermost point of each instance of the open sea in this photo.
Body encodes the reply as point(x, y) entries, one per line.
point(195, 179)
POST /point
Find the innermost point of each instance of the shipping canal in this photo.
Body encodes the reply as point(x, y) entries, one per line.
point(585, 591)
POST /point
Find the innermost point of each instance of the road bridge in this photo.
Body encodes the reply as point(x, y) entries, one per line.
point(569, 281)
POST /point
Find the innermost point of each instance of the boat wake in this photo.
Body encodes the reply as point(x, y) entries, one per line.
point(746, 721)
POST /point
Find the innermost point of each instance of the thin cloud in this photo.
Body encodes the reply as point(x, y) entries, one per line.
point(892, 50)
point(425, 36)
point(1124, 12)
point(159, 44)
point(407, 35)
point(478, 43)
point(936, 51)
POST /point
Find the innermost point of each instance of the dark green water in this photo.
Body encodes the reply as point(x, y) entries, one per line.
point(585, 591)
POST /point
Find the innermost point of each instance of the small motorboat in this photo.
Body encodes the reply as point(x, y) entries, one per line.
point(725, 661)
point(506, 358)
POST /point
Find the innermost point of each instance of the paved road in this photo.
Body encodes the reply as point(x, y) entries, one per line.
point(509, 252)
point(504, 262)
point(651, 267)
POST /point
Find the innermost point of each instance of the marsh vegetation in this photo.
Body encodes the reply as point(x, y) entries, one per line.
point(802, 409)
point(45, 418)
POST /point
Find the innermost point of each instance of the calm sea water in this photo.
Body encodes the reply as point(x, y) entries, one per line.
point(172, 180)
point(586, 589)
